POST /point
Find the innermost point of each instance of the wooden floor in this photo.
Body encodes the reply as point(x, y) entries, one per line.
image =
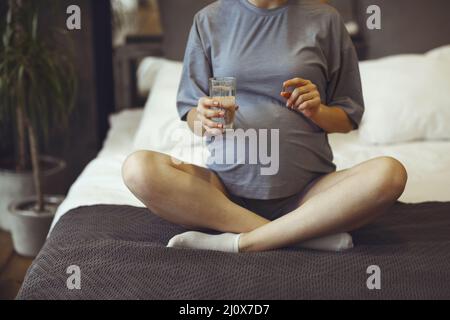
point(12, 268)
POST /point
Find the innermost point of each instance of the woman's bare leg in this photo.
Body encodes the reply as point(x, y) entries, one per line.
point(185, 194)
point(339, 202)
point(194, 197)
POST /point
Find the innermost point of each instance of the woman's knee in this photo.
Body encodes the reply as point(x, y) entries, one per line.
point(140, 172)
point(391, 177)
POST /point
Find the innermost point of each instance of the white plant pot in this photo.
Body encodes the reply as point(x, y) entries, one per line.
point(29, 228)
point(15, 185)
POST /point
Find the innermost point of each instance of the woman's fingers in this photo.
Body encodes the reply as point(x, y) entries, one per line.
point(286, 95)
point(309, 104)
point(209, 109)
point(205, 108)
point(207, 103)
point(309, 107)
point(298, 92)
point(211, 113)
point(208, 122)
point(296, 82)
point(303, 98)
point(213, 131)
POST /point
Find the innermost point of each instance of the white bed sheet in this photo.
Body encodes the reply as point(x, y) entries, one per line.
point(101, 181)
point(428, 165)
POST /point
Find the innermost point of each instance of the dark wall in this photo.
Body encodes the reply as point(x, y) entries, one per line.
point(176, 21)
point(407, 26)
point(103, 57)
point(88, 124)
point(345, 7)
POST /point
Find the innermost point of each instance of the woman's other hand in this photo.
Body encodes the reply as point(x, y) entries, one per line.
point(305, 98)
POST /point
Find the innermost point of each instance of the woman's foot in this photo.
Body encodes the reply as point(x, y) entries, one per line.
point(229, 242)
point(225, 242)
point(336, 242)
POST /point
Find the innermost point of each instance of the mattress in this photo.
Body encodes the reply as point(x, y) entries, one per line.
point(427, 163)
point(121, 254)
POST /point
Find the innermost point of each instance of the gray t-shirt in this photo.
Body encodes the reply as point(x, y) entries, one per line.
point(263, 48)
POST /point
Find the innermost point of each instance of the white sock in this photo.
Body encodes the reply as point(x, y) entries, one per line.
point(226, 242)
point(336, 242)
point(229, 242)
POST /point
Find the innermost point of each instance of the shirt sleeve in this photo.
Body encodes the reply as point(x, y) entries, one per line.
point(344, 88)
point(195, 75)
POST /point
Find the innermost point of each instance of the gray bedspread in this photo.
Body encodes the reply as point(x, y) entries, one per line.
point(121, 254)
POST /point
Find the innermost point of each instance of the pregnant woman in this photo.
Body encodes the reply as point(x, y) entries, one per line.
point(296, 72)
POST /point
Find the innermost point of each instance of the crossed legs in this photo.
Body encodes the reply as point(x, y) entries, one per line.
point(195, 198)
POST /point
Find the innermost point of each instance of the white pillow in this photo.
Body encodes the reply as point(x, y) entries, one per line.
point(146, 74)
point(441, 52)
point(407, 98)
point(161, 128)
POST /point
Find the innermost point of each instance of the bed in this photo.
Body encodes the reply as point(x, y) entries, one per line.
point(119, 245)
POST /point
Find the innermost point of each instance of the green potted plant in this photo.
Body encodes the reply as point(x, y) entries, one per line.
point(37, 89)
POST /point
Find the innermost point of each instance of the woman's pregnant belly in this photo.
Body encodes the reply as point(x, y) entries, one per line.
point(273, 152)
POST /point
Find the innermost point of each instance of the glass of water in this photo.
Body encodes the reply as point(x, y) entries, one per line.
point(223, 90)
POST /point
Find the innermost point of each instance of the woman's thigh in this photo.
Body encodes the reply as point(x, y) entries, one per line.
point(329, 180)
point(194, 170)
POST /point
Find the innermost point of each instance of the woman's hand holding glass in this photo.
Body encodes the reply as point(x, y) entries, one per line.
point(206, 113)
